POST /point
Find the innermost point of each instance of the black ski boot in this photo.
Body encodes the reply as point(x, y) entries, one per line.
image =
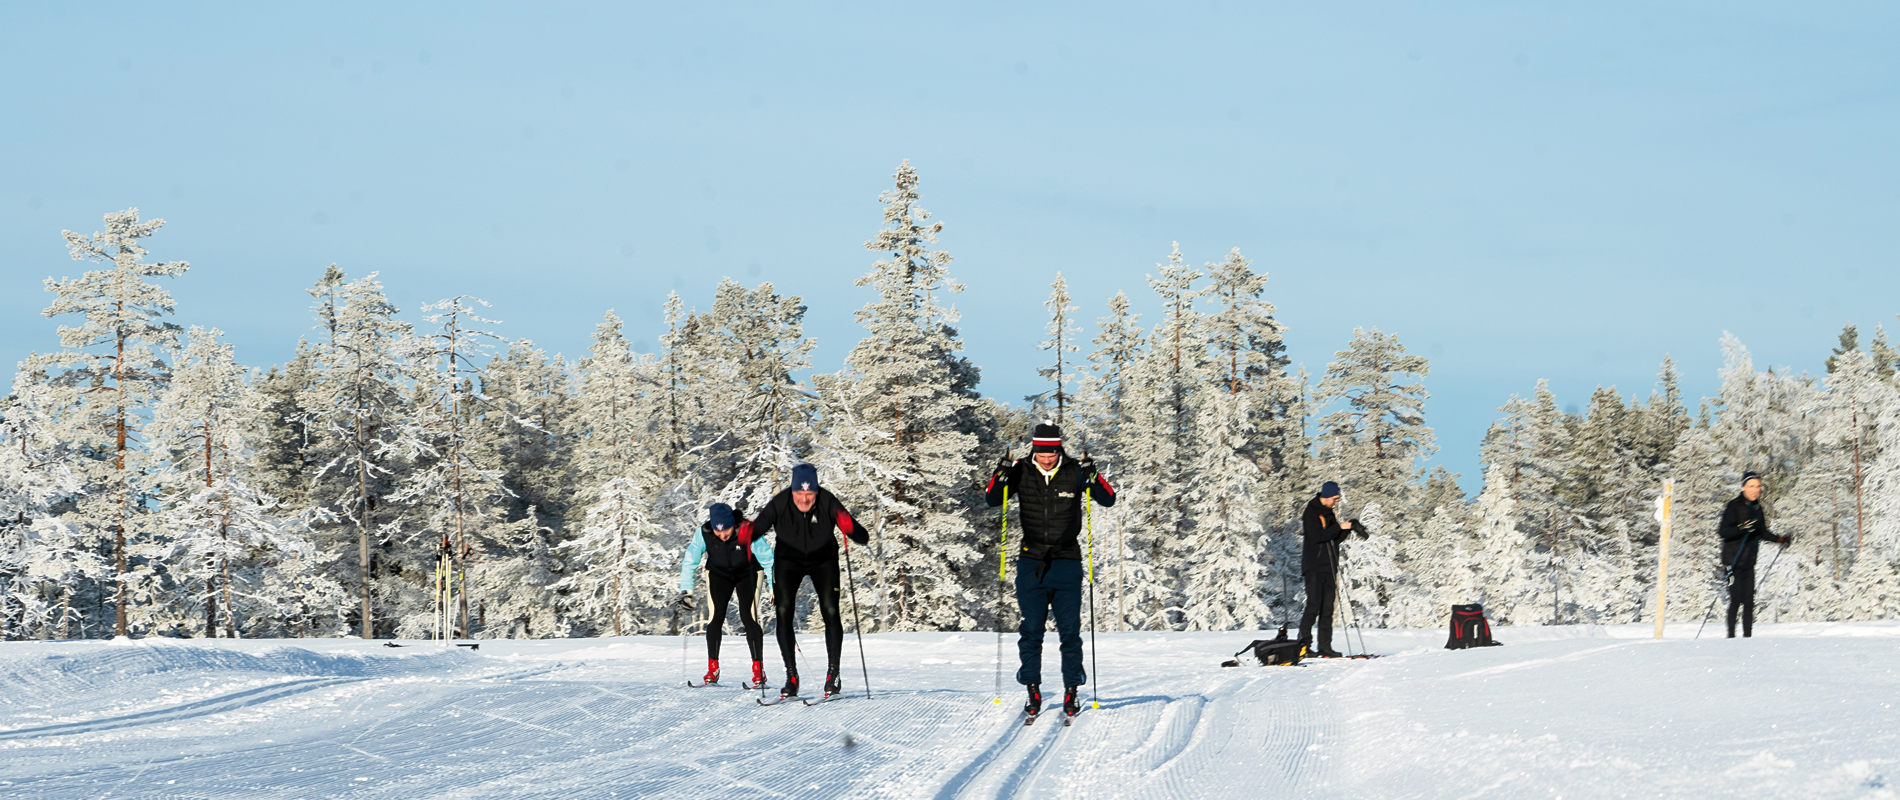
point(1070, 704)
point(1034, 706)
point(1328, 652)
point(791, 684)
point(832, 684)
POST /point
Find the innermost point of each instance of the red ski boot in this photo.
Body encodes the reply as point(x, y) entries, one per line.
point(712, 670)
point(758, 674)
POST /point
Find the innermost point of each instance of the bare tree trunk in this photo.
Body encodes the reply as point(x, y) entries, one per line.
point(362, 513)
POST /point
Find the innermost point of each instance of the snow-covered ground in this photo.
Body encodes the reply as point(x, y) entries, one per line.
point(1803, 710)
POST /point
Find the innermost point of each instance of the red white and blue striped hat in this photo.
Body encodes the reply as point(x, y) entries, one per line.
point(1046, 438)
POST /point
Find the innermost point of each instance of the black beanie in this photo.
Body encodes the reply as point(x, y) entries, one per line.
point(1046, 438)
point(1751, 476)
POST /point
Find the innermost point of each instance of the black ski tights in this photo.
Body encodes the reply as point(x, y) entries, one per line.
point(723, 587)
point(788, 573)
point(1741, 597)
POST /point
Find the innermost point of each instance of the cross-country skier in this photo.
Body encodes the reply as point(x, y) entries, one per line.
point(1743, 529)
point(1048, 488)
point(1319, 563)
point(806, 517)
point(733, 558)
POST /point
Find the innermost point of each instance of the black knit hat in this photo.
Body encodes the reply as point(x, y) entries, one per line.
point(1751, 476)
point(1046, 438)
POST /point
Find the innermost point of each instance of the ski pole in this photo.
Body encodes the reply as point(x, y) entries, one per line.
point(1339, 612)
point(1095, 686)
point(1002, 581)
point(857, 626)
point(1728, 577)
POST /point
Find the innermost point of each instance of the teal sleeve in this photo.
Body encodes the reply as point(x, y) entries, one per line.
point(763, 552)
point(695, 553)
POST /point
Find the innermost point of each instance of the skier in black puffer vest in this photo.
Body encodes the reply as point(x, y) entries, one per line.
point(1048, 488)
point(807, 519)
point(1742, 530)
point(1319, 563)
point(733, 560)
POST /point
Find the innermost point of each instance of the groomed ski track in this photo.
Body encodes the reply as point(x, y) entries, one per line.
point(1802, 711)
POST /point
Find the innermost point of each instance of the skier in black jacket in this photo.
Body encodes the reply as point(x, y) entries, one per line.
point(1048, 489)
point(807, 519)
point(1319, 563)
point(1742, 530)
point(733, 560)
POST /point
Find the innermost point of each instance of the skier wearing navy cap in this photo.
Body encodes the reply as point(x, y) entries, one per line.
point(1319, 562)
point(807, 518)
point(733, 558)
point(1048, 487)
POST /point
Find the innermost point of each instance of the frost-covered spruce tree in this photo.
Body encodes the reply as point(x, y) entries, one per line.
point(1611, 490)
point(359, 411)
point(1532, 446)
point(35, 477)
point(228, 546)
point(1100, 413)
point(114, 364)
point(618, 561)
point(907, 377)
point(1061, 373)
point(1159, 446)
point(530, 432)
point(1508, 572)
point(1370, 578)
point(1223, 574)
point(1872, 586)
point(1248, 356)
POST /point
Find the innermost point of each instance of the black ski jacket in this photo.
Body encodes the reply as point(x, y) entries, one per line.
point(1739, 538)
point(807, 535)
point(1050, 510)
point(1321, 535)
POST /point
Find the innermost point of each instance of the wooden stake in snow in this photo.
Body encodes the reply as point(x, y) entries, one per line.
point(1663, 504)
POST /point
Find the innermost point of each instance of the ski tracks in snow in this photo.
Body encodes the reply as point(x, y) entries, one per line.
point(1146, 743)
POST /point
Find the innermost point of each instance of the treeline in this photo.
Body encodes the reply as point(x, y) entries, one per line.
point(428, 476)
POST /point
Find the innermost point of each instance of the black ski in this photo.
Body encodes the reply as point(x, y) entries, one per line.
point(1029, 719)
point(692, 685)
point(781, 698)
point(1067, 719)
point(826, 699)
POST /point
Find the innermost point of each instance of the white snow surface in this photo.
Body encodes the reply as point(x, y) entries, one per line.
point(1802, 710)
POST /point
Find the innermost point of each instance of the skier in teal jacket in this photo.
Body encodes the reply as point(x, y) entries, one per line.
point(733, 560)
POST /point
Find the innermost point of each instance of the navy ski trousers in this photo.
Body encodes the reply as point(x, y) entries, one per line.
point(1037, 593)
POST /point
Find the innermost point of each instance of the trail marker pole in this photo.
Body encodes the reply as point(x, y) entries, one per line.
point(1664, 505)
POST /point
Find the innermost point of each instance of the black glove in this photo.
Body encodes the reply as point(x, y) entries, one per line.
point(1087, 464)
point(684, 602)
point(1359, 529)
point(1786, 540)
point(1005, 463)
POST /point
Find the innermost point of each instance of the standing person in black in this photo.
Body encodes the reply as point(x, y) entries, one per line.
point(1742, 530)
point(1048, 488)
point(807, 519)
point(733, 560)
point(1319, 564)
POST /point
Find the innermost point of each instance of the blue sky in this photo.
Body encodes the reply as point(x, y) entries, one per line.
point(1518, 191)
